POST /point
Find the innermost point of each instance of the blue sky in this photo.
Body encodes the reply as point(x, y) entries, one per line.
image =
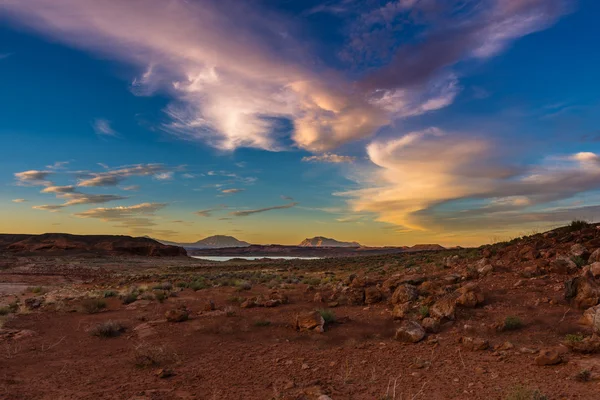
point(385, 121)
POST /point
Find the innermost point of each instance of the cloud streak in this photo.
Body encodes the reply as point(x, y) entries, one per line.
point(116, 176)
point(329, 158)
point(245, 213)
point(102, 128)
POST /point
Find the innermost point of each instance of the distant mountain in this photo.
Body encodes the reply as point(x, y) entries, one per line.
point(320, 241)
point(211, 242)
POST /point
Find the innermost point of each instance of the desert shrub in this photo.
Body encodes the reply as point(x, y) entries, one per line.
point(5, 310)
point(512, 323)
point(229, 312)
point(92, 306)
point(148, 355)
point(328, 315)
point(583, 376)
point(577, 225)
point(522, 393)
point(161, 295)
point(312, 281)
point(182, 284)
point(108, 329)
point(36, 289)
point(109, 293)
point(243, 285)
point(579, 261)
point(14, 306)
point(148, 296)
point(163, 286)
point(262, 323)
point(574, 338)
point(197, 285)
point(129, 298)
point(235, 299)
point(424, 311)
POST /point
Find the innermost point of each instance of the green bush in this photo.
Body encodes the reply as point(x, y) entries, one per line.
point(262, 323)
point(579, 261)
point(109, 293)
point(424, 311)
point(197, 285)
point(161, 295)
point(574, 338)
point(522, 393)
point(4, 310)
point(512, 323)
point(129, 298)
point(577, 225)
point(583, 376)
point(328, 315)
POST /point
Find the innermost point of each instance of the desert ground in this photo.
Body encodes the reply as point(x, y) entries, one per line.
point(514, 320)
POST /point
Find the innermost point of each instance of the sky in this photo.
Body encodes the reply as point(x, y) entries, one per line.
point(387, 122)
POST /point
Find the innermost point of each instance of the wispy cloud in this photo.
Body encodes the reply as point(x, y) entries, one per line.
point(33, 178)
point(58, 165)
point(231, 93)
point(49, 207)
point(131, 188)
point(288, 198)
point(245, 213)
point(164, 176)
point(115, 176)
point(137, 218)
point(102, 127)
point(329, 158)
point(232, 191)
point(19, 200)
point(208, 212)
point(5, 55)
point(435, 181)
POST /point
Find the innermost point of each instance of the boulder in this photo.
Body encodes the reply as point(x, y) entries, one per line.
point(373, 295)
point(470, 296)
point(310, 321)
point(485, 270)
point(444, 308)
point(177, 315)
point(595, 269)
point(583, 291)
point(548, 357)
point(279, 296)
point(594, 257)
point(318, 298)
point(400, 310)
point(248, 303)
point(578, 250)
point(356, 296)
point(410, 331)
point(404, 294)
point(209, 306)
point(591, 317)
point(430, 325)
point(563, 265)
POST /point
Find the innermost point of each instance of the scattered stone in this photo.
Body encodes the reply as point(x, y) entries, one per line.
point(595, 269)
point(271, 303)
point(177, 315)
point(209, 306)
point(400, 310)
point(548, 357)
point(578, 250)
point(164, 373)
point(470, 296)
point(527, 350)
point(34, 302)
point(444, 309)
point(144, 330)
point(583, 290)
point(591, 317)
point(410, 331)
point(474, 344)
point(305, 366)
point(356, 296)
point(324, 397)
point(373, 295)
point(595, 256)
point(480, 370)
point(431, 325)
point(310, 321)
point(318, 298)
point(563, 265)
point(333, 304)
point(485, 270)
point(248, 303)
point(404, 294)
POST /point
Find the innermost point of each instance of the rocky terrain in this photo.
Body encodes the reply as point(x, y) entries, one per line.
point(63, 243)
point(513, 320)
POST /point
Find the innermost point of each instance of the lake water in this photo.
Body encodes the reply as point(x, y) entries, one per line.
point(227, 258)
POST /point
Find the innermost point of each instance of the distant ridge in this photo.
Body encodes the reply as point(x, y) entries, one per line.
point(320, 241)
point(211, 242)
